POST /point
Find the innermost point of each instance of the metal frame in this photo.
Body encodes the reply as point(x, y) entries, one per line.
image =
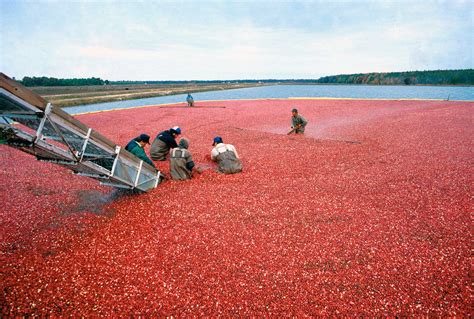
point(158, 176)
point(15, 98)
point(114, 166)
point(73, 139)
point(138, 173)
point(96, 176)
point(39, 131)
point(86, 141)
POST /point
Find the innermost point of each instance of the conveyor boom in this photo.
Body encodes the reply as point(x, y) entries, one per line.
point(32, 125)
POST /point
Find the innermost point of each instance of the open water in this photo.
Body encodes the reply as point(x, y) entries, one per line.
point(288, 91)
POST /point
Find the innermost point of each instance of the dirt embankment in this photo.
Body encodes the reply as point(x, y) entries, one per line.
point(77, 95)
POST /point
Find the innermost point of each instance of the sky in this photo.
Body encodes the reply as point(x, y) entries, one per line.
point(225, 40)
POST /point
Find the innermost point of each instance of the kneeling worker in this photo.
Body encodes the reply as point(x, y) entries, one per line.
point(298, 123)
point(136, 147)
point(181, 161)
point(226, 156)
point(163, 142)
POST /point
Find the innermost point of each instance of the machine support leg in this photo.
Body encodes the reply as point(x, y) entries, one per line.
point(157, 178)
point(138, 173)
point(39, 131)
point(86, 141)
point(117, 151)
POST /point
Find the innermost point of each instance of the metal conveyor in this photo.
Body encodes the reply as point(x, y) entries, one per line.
point(31, 124)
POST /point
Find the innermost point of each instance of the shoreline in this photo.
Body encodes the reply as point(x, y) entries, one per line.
point(269, 99)
point(129, 93)
point(117, 94)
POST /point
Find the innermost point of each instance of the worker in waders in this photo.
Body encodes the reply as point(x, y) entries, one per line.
point(163, 142)
point(226, 157)
point(190, 100)
point(298, 123)
point(137, 148)
point(181, 161)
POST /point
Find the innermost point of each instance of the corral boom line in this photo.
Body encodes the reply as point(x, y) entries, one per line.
point(176, 105)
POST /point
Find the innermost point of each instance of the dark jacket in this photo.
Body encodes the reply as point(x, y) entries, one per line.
point(168, 138)
point(135, 148)
point(131, 144)
point(161, 146)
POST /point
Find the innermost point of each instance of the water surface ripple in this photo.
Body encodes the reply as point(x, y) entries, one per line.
point(288, 91)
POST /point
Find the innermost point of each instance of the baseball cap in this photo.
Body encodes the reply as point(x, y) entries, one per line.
point(176, 130)
point(144, 138)
point(217, 140)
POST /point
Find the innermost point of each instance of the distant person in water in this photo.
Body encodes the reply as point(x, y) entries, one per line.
point(181, 161)
point(298, 123)
point(137, 148)
point(226, 157)
point(190, 100)
point(163, 142)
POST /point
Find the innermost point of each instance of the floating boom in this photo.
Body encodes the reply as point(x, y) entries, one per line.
point(31, 124)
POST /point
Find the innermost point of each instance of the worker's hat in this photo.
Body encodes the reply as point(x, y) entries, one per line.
point(176, 130)
point(217, 140)
point(184, 142)
point(144, 138)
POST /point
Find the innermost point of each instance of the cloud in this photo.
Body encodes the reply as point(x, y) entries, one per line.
point(98, 52)
point(236, 40)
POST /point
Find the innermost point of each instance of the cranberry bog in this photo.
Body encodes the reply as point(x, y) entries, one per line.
point(367, 214)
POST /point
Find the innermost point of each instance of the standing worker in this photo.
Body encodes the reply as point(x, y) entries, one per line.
point(190, 100)
point(226, 156)
point(136, 147)
point(298, 123)
point(163, 142)
point(181, 161)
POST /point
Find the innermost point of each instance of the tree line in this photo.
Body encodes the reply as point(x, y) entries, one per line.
point(47, 81)
point(436, 77)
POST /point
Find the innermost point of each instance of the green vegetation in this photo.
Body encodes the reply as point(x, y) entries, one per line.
point(45, 81)
point(438, 77)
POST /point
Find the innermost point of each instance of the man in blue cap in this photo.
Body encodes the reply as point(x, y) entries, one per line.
point(163, 142)
point(226, 157)
point(136, 147)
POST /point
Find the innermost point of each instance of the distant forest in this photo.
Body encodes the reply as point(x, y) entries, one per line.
point(437, 77)
point(45, 81)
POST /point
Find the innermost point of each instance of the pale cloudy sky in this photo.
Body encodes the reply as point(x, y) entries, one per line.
point(183, 40)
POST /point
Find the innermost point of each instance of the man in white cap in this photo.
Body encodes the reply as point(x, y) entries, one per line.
point(226, 156)
point(163, 142)
point(181, 161)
